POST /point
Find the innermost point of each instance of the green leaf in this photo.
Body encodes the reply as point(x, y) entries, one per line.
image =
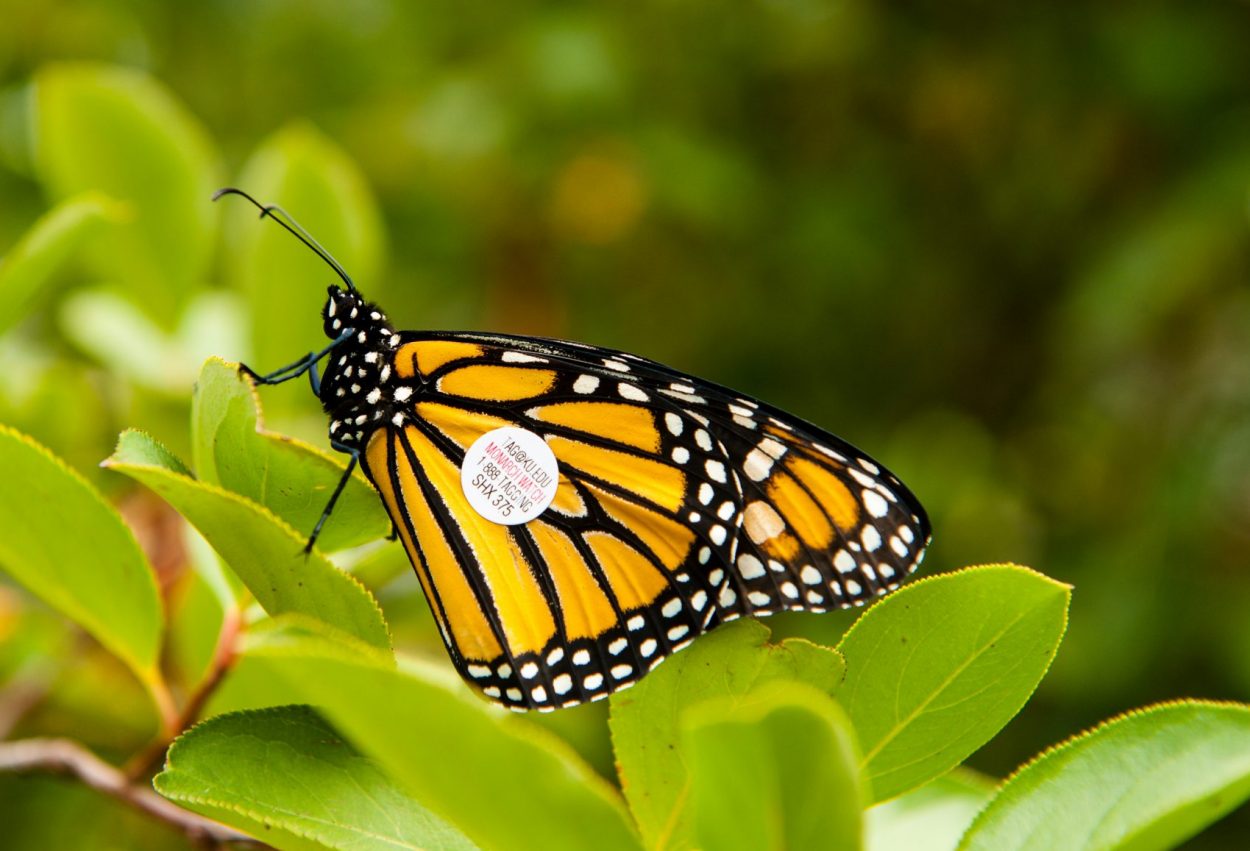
point(46, 247)
point(262, 550)
point(285, 283)
point(287, 476)
point(285, 776)
point(504, 782)
point(120, 132)
point(110, 328)
point(776, 770)
point(931, 818)
point(733, 661)
point(1149, 779)
point(936, 669)
point(93, 572)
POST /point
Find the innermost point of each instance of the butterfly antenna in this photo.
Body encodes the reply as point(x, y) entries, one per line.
point(293, 227)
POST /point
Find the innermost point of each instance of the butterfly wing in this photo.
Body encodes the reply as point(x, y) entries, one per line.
point(680, 505)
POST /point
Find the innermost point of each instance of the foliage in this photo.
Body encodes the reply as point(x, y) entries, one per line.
point(736, 742)
point(1038, 205)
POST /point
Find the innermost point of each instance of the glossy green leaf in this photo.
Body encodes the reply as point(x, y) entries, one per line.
point(287, 476)
point(285, 282)
point(774, 770)
point(262, 551)
point(936, 669)
point(94, 573)
point(733, 661)
point(1146, 780)
point(51, 241)
point(285, 776)
point(931, 818)
point(504, 782)
point(120, 132)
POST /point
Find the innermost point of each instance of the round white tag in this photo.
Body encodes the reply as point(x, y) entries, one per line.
point(509, 475)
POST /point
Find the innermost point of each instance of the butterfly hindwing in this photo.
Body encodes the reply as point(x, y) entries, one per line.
point(679, 505)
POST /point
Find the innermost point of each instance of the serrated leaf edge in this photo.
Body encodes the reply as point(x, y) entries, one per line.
point(278, 437)
point(903, 592)
point(1076, 738)
point(286, 528)
point(129, 534)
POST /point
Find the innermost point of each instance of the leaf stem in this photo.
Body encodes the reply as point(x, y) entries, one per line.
point(149, 759)
point(63, 756)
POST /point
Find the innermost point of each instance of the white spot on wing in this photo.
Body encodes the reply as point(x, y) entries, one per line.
point(757, 465)
point(750, 567)
point(520, 357)
point(844, 562)
point(762, 522)
point(875, 503)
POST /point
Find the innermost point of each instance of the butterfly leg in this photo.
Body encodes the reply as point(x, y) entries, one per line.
point(296, 368)
point(314, 378)
point(353, 459)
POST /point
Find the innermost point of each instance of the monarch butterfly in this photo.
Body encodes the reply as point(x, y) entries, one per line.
point(576, 514)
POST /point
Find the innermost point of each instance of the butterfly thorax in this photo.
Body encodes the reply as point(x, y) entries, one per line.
point(358, 388)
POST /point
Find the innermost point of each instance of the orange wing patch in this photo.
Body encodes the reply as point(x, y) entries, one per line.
point(526, 618)
point(567, 500)
point(635, 581)
point(587, 610)
point(660, 483)
point(835, 497)
point(494, 383)
point(669, 540)
point(805, 515)
point(629, 424)
point(442, 577)
point(427, 356)
point(461, 426)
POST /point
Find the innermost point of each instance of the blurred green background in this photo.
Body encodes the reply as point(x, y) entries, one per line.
point(1003, 249)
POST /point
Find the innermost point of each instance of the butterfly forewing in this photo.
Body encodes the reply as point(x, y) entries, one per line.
point(680, 505)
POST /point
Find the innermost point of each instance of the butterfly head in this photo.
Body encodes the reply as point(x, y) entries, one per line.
point(345, 309)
